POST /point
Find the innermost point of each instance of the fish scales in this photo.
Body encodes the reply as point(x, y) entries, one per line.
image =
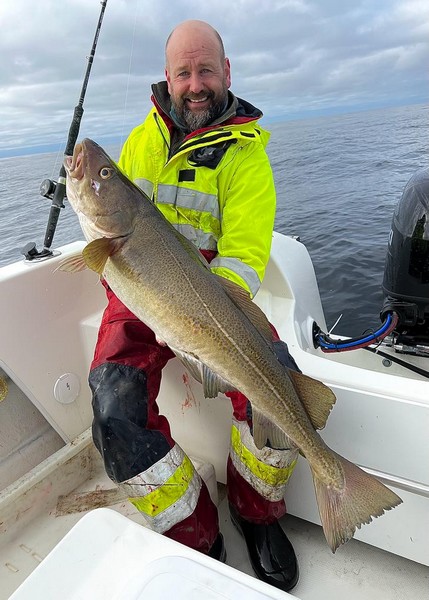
point(187, 308)
point(214, 328)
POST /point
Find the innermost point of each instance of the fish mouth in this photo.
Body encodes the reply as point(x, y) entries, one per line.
point(74, 164)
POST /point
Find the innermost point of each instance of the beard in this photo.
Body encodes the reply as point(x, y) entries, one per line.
point(200, 118)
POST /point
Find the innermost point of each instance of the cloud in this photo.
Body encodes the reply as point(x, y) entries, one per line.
point(292, 58)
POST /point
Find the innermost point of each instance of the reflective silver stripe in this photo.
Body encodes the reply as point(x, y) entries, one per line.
point(280, 459)
point(170, 194)
point(201, 239)
point(187, 198)
point(145, 185)
point(185, 496)
point(247, 273)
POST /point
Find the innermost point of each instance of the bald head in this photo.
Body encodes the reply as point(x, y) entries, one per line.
point(193, 34)
point(198, 73)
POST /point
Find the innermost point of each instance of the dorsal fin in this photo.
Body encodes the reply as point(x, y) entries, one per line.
point(191, 249)
point(316, 397)
point(265, 430)
point(243, 301)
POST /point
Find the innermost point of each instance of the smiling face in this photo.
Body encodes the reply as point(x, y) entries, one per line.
point(198, 74)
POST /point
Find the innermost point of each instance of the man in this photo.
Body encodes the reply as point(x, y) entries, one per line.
point(200, 155)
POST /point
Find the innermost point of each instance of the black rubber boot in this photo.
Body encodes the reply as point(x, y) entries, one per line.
point(218, 550)
point(270, 552)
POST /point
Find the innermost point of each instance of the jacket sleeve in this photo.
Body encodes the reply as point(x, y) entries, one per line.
point(248, 201)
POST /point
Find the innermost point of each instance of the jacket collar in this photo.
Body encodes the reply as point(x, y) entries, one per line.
point(237, 110)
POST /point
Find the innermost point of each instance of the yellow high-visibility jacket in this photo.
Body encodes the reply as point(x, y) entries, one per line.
point(217, 189)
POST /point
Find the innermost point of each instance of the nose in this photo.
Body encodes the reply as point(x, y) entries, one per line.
point(196, 83)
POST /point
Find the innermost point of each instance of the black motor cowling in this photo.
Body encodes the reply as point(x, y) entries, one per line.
point(406, 274)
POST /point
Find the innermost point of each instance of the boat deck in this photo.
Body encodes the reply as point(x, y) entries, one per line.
point(33, 520)
point(356, 571)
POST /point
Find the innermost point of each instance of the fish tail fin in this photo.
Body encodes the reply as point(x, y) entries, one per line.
point(361, 498)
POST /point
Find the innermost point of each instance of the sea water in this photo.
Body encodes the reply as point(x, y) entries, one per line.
point(338, 180)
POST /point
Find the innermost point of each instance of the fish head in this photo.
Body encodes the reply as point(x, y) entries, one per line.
point(95, 189)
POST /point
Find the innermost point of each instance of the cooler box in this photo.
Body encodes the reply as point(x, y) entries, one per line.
point(106, 556)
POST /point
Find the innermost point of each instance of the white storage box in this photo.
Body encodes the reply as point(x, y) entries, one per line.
point(107, 556)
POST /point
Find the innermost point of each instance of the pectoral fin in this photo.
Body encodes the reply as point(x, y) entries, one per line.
point(96, 253)
point(72, 264)
point(212, 383)
point(93, 256)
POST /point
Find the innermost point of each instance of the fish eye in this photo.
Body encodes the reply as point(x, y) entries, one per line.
point(106, 172)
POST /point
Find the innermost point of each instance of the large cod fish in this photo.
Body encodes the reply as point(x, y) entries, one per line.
point(212, 325)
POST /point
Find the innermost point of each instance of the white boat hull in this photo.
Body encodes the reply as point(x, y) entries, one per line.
point(49, 322)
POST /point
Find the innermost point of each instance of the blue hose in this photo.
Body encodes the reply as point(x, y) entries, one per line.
point(327, 344)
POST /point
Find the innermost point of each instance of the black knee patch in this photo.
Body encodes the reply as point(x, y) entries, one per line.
point(119, 429)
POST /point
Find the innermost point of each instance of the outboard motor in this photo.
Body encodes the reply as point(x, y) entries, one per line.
point(406, 275)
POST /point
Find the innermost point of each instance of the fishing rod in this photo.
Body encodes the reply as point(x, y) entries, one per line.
point(56, 190)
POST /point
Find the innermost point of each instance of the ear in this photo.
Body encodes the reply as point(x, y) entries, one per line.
point(228, 72)
point(168, 78)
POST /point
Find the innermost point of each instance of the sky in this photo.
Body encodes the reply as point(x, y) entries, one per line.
point(291, 58)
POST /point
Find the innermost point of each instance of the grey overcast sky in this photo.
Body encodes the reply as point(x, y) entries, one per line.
point(291, 58)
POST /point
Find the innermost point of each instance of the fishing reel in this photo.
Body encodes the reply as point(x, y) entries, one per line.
point(56, 192)
point(47, 188)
